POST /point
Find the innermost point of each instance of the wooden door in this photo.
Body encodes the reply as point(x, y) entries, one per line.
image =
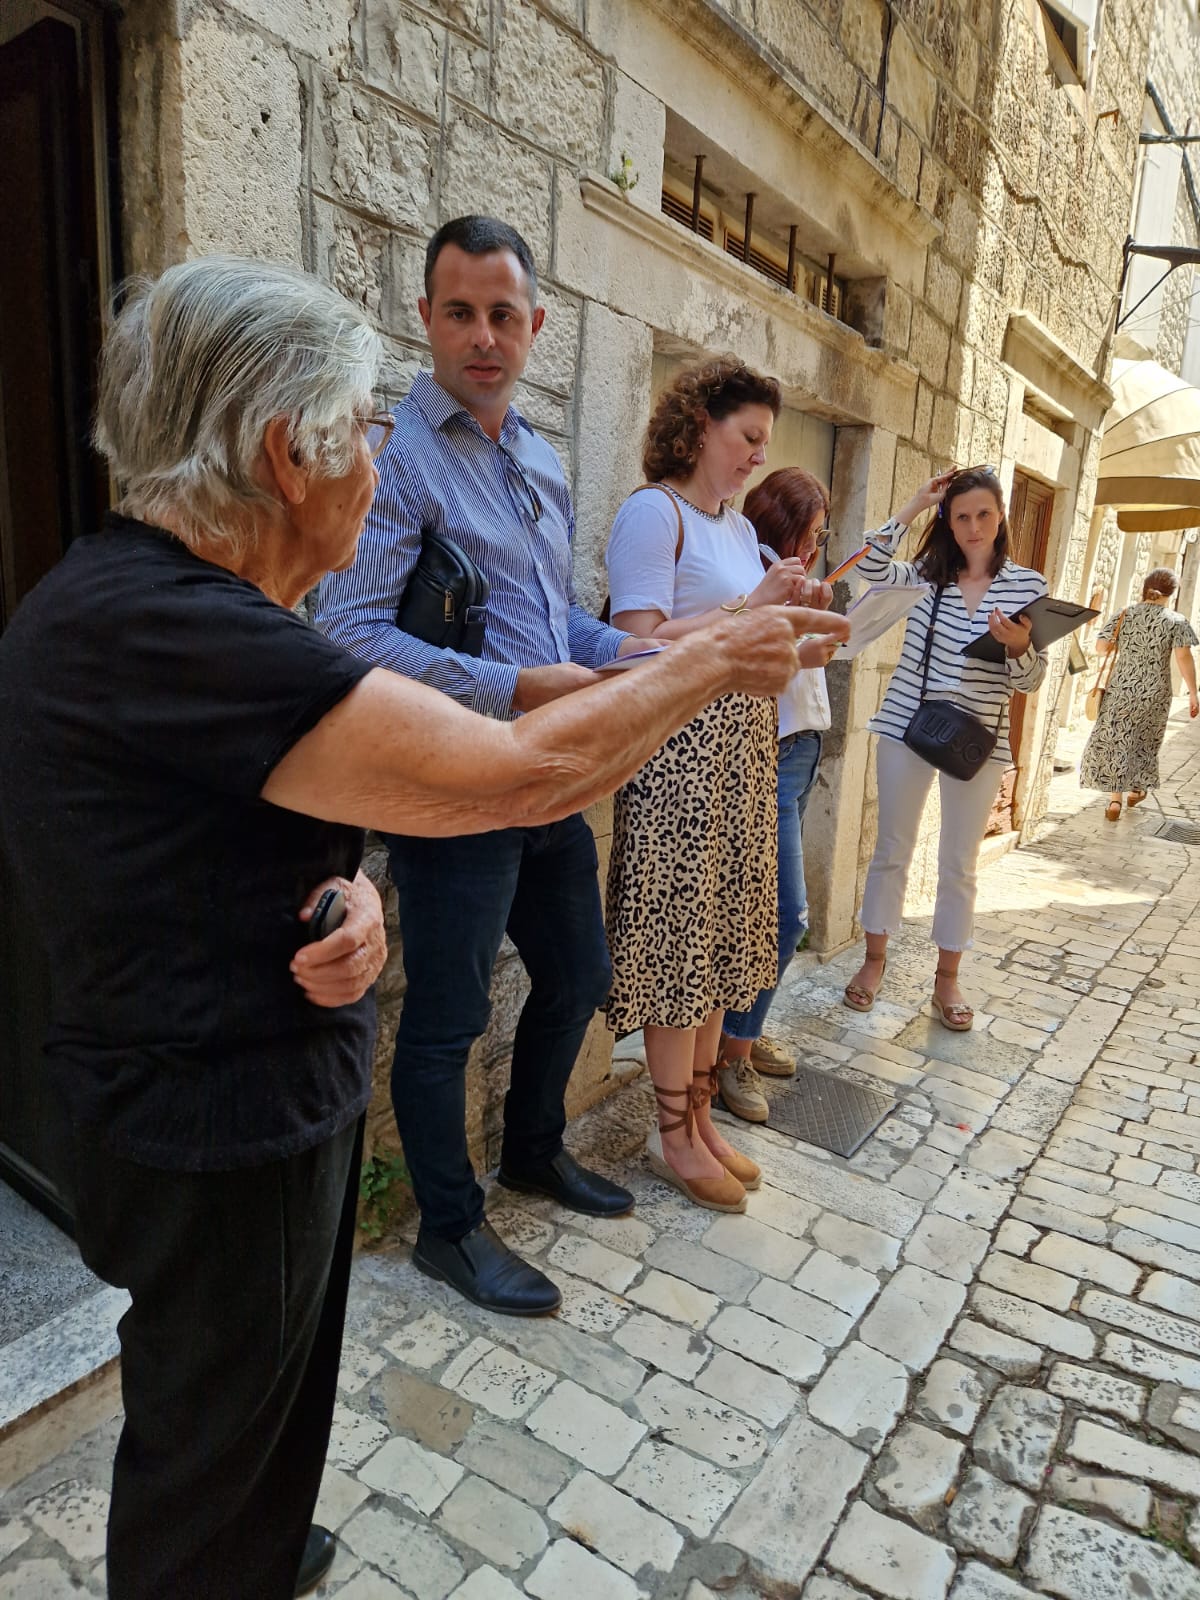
point(53, 270)
point(1029, 520)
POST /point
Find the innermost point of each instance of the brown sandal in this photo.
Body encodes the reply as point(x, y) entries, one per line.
point(715, 1194)
point(1134, 798)
point(858, 998)
point(748, 1173)
point(959, 1018)
point(1113, 810)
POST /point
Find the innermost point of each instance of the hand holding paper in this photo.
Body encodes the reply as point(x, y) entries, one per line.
point(875, 611)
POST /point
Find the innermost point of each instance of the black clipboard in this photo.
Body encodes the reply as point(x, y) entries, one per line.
point(1052, 619)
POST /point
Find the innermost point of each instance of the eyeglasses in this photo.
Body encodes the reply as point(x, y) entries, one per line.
point(523, 492)
point(820, 538)
point(985, 471)
point(377, 431)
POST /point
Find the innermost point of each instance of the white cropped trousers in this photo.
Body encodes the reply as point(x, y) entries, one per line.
point(904, 781)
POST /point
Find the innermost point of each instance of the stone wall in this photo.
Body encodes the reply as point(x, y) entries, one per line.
point(1174, 73)
point(974, 195)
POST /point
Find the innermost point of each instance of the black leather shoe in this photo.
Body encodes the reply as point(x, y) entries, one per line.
point(319, 1550)
point(482, 1267)
point(573, 1186)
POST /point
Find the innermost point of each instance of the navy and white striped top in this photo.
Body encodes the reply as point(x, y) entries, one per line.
point(981, 687)
point(440, 471)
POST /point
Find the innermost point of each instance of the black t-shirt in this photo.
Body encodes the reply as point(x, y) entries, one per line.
point(145, 697)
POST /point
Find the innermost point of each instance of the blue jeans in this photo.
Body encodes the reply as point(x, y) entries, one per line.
point(457, 898)
point(799, 757)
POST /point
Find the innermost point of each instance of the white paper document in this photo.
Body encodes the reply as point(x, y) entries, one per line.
point(875, 611)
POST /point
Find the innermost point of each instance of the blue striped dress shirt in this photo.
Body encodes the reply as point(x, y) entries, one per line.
point(508, 506)
point(981, 687)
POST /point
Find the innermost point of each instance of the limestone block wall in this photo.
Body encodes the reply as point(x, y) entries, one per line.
point(1174, 72)
point(939, 147)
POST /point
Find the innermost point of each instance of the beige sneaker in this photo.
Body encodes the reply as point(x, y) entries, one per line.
point(741, 1091)
point(771, 1059)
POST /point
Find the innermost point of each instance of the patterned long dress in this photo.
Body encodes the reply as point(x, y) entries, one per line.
point(691, 912)
point(1122, 752)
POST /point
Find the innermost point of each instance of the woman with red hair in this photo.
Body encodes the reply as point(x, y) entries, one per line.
point(788, 511)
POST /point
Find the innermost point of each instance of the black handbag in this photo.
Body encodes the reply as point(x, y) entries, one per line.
point(949, 738)
point(445, 600)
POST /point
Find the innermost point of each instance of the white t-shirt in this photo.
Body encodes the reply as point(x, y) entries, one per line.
point(719, 561)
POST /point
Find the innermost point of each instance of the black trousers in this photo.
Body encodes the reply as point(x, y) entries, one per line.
point(229, 1362)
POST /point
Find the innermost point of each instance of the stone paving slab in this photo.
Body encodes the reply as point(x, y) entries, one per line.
point(963, 1365)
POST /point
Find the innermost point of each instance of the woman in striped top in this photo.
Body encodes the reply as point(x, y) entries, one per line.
point(964, 554)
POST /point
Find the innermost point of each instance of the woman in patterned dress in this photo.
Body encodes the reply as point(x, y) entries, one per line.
point(1121, 754)
point(691, 907)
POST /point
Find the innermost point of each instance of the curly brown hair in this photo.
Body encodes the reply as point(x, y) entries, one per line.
point(715, 389)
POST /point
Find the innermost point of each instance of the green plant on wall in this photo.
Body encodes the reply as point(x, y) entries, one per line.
point(380, 1186)
point(624, 176)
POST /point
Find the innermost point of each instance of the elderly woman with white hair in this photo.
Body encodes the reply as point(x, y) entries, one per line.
point(187, 767)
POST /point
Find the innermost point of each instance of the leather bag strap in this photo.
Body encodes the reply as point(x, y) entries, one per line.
point(937, 600)
point(678, 513)
point(1105, 669)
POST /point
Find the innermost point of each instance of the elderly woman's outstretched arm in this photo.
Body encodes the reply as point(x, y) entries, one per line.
point(402, 758)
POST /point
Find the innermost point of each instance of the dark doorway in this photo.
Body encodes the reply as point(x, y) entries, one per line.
point(1029, 518)
point(55, 270)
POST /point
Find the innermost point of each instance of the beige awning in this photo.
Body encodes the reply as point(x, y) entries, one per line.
point(1150, 459)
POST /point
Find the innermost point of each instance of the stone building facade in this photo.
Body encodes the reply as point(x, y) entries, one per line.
point(1161, 324)
point(951, 179)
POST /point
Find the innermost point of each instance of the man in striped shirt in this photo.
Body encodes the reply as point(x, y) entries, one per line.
point(462, 461)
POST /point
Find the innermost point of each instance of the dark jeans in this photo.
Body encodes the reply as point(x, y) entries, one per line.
point(229, 1362)
point(457, 898)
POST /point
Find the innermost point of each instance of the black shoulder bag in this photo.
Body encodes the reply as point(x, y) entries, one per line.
point(445, 600)
point(942, 733)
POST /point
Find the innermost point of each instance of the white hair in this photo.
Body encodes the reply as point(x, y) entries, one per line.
point(198, 361)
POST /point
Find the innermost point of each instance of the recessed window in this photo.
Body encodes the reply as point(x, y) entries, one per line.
point(807, 278)
point(681, 211)
point(1074, 22)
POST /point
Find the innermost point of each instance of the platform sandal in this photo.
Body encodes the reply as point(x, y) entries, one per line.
point(958, 1018)
point(860, 999)
point(715, 1194)
point(748, 1173)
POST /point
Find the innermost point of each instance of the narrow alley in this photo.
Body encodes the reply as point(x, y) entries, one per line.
point(964, 1363)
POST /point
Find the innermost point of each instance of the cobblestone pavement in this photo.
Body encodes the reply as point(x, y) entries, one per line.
point(965, 1363)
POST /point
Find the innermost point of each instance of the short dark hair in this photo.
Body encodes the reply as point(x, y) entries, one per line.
point(939, 557)
point(714, 389)
point(480, 236)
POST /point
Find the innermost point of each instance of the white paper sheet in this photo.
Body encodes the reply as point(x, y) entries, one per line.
point(875, 611)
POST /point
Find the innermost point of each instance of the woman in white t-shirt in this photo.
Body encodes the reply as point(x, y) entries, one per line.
point(788, 510)
point(691, 906)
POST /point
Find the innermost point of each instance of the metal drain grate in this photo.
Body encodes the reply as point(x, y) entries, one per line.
point(825, 1110)
point(1177, 830)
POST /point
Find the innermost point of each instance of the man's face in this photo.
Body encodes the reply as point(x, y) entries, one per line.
point(481, 326)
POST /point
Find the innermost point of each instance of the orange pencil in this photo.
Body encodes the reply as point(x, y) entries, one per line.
point(852, 561)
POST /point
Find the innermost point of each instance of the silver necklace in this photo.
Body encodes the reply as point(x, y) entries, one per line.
point(709, 516)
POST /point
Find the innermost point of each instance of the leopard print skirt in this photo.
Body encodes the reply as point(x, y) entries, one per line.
point(691, 912)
